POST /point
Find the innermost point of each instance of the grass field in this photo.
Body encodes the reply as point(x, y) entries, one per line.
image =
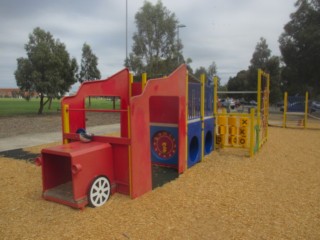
point(14, 107)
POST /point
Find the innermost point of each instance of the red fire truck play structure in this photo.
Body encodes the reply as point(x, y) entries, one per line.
point(158, 126)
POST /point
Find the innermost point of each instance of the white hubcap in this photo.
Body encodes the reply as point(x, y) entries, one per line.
point(99, 192)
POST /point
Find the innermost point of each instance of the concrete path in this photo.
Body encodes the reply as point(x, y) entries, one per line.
point(29, 140)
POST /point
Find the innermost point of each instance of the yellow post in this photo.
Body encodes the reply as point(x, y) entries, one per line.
point(66, 122)
point(130, 84)
point(259, 96)
point(267, 105)
point(202, 79)
point(306, 110)
point(285, 105)
point(222, 123)
point(232, 130)
point(144, 80)
point(252, 132)
point(243, 131)
point(215, 95)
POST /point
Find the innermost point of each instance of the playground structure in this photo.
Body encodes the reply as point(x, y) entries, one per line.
point(297, 112)
point(244, 130)
point(158, 125)
point(166, 121)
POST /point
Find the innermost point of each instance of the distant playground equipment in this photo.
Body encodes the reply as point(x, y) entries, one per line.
point(295, 111)
point(298, 112)
point(244, 130)
point(167, 121)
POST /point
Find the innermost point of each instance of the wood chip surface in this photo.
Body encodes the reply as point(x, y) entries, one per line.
point(274, 195)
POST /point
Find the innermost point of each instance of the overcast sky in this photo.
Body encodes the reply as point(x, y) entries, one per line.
point(224, 31)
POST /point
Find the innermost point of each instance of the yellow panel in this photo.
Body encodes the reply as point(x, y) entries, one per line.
point(222, 120)
point(232, 130)
point(232, 121)
point(243, 140)
point(243, 131)
point(218, 139)
point(244, 121)
point(232, 140)
point(222, 130)
point(144, 80)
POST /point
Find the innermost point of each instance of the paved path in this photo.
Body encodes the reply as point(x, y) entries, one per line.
point(29, 140)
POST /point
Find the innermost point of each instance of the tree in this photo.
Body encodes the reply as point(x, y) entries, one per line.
point(89, 62)
point(188, 62)
point(259, 59)
point(199, 71)
point(274, 70)
point(246, 80)
point(89, 70)
point(300, 49)
point(262, 59)
point(48, 68)
point(239, 83)
point(155, 49)
point(211, 72)
point(261, 55)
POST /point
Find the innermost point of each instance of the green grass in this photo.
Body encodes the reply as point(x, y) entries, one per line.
point(15, 107)
point(101, 103)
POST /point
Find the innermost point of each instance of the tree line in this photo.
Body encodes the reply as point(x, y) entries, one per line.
point(297, 69)
point(49, 70)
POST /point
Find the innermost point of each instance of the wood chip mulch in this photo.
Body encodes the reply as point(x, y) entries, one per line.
point(274, 195)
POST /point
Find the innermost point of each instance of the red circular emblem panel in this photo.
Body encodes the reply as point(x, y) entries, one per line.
point(164, 144)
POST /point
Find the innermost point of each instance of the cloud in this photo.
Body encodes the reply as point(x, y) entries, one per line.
point(222, 31)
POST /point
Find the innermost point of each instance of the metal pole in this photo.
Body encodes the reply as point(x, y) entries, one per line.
point(178, 45)
point(126, 33)
point(285, 105)
point(306, 110)
point(215, 95)
point(179, 26)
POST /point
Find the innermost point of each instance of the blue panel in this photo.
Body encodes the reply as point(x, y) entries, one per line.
point(194, 96)
point(194, 143)
point(208, 135)
point(296, 104)
point(164, 145)
point(208, 101)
